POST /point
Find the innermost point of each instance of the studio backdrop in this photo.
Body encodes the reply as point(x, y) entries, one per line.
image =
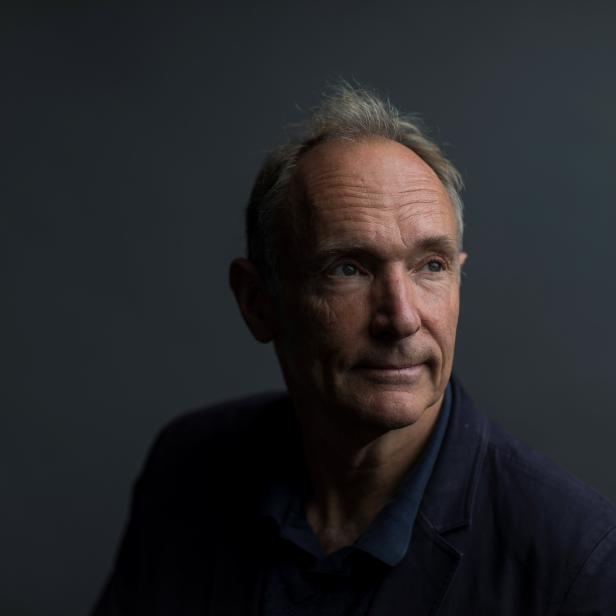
point(131, 136)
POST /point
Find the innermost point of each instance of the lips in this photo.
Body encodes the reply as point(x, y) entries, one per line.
point(391, 373)
point(371, 366)
point(399, 363)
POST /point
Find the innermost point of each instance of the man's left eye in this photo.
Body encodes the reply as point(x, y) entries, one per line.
point(435, 266)
point(345, 269)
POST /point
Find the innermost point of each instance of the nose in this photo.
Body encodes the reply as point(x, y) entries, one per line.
point(396, 313)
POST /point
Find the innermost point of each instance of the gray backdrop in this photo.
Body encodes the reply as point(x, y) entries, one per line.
point(130, 139)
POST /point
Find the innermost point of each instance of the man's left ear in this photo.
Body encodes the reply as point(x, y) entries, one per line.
point(462, 258)
point(254, 300)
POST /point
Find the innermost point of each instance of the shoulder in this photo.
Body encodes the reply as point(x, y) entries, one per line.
point(548, 521)
point(524, 477)
point(226, 433)
point(547, 537)
point(517, 478)
point(225, 418)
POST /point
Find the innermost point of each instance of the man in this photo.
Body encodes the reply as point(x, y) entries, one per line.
point(374, 487)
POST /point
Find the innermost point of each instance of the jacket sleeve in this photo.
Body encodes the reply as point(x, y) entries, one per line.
point(119, 595)
point(593, 591)
point(126, 587)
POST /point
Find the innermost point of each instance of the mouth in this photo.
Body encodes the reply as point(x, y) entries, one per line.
point(406, 373)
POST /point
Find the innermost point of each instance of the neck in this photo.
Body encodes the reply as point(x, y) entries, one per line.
point(354, 478)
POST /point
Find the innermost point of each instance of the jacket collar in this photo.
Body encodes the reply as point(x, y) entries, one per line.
point(420, 584)
point(449, 497)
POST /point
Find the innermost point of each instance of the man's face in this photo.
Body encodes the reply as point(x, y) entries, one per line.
point(368, 312)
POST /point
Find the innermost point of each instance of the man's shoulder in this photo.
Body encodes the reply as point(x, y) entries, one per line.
point(227, 417)
point(484, 471)
point(532, 477)
point(226, 433)
point(541, 512)
point(540, 520)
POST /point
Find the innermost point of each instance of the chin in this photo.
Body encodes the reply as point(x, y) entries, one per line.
point(391, 409)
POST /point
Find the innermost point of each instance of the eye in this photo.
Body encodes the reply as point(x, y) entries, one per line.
point(345, 269)
point(435, 266)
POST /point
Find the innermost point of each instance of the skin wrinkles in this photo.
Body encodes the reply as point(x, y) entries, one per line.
point(352, 209)
point(349, 224)
point(335, 198)
point(361, 194)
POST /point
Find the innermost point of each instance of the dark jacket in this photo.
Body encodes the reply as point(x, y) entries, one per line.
point(501, 530)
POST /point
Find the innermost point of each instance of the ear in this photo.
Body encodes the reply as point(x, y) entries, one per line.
point(253, 299)
point(462, 258)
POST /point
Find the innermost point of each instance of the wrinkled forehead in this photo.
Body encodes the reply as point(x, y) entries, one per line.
point(340, 182)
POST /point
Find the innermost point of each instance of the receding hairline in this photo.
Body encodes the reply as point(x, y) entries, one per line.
point(344, 145)
point(346, 113)
point(300, 190)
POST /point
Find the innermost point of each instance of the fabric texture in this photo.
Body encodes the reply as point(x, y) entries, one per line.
point(500, 529)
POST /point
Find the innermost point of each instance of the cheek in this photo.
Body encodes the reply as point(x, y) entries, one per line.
point(326, 315)
point(333, 320)
point(441, 319)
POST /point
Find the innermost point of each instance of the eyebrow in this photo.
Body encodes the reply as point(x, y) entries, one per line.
point(443, 243)
point(438, 243)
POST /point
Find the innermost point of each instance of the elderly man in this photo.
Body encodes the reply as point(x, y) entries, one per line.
point(374, 486)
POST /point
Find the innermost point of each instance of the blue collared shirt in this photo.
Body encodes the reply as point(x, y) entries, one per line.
point(303, 579)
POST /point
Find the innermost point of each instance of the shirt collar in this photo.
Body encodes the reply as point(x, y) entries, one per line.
point(388, 537)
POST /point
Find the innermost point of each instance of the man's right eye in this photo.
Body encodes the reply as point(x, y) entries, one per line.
point(345, 269)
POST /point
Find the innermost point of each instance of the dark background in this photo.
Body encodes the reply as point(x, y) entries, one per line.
point(130, 138)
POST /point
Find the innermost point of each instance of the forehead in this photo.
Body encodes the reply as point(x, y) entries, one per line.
point(370, 190)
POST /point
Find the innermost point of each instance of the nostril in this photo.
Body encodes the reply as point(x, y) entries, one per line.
point(396, 324)
point(396, 315)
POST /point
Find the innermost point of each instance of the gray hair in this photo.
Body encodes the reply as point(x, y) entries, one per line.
point(346, 113)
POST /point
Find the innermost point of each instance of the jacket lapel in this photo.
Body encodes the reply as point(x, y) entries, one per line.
point(419, 584)
point(449, 498)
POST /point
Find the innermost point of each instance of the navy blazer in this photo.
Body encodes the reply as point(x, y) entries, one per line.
point(501, 530)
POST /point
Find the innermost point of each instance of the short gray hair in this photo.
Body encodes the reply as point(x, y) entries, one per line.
point(346, 113)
